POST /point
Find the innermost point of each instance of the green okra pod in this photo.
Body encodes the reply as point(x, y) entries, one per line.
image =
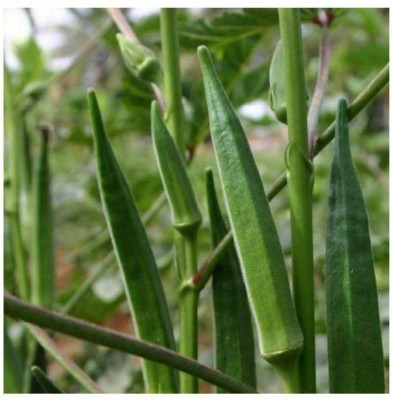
point(255, 234)
point(186, 215)
point(353, 324)
point(134, 255)
point(42, 250)
point(44, 381)
point(234, 339)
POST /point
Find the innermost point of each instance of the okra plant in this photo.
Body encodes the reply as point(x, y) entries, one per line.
point(266, 295)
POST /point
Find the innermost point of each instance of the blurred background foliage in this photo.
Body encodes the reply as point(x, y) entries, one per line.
point(50, 85)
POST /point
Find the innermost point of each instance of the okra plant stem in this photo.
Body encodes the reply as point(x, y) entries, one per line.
point(74, 327)
point(172, 84)
point(185, 242)
point(300, 177)
point(15, 144)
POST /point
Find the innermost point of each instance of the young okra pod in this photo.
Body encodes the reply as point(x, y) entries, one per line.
point(353, 325)
point(134, 255)
point(186, 216)
point(234, 339)
point(255, 234)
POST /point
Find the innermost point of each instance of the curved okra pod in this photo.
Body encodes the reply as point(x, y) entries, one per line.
point(353, 325)
point(42, 257)
point(134, 255)
point(234, 339)
point(255, 234)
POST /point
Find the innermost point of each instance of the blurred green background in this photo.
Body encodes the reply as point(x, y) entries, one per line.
point(78, 47)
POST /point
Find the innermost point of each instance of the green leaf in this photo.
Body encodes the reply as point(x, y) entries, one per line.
point(234, 339)
point(226, 27)
point(134, 255)
point(255, 235)
point(353, 324)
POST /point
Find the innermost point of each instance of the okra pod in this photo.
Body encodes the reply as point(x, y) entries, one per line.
point(353, 324)
point(234, 339)
point(134, 255)
point(186, 216)
point(255, 234)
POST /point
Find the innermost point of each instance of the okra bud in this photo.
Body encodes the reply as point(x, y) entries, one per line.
point(139, 60)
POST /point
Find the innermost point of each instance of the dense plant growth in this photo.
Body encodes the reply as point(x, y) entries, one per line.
point(124, 206)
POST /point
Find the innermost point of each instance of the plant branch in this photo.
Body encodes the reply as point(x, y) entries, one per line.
point(16, 308)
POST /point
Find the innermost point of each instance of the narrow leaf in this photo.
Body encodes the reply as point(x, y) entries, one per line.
point(234, 339)
point(134, 255)
point(255, 234)
point(353, 324)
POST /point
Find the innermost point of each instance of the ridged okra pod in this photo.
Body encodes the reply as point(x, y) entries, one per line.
point(186, 219)
point(255, 234)
point(42, 251)
point(353, 325)
point(234, 339)
point(134, 255)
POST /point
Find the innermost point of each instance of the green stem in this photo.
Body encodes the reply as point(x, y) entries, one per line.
point(361, 101)
point(205, 271)
point(300, 175)
point(185, 241)
point(74, 327)
point(15, 149)
point(172, 83)
point(186, 259)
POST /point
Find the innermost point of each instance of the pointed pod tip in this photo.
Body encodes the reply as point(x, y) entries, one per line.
point(209, 172)
point(91, 91)
point(203, 54)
